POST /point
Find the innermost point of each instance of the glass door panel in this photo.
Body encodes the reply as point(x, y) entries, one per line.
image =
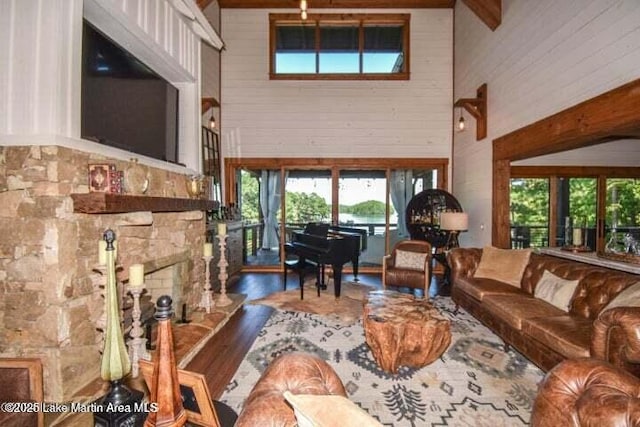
point(307, 199)
point(529, 212)
point(259, 203)
point(363, 204)
point(622, 233)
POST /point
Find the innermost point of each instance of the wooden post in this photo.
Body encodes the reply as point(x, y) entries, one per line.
point(165, 387)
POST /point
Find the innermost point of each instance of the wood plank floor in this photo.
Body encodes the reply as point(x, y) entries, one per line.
point(221, 356)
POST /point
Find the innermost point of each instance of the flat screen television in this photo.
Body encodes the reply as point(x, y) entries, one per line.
point(125, 104)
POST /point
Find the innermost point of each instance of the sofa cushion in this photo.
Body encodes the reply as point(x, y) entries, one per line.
point(411, 260)
point(630, 297)
point(478, 288)
point(505, 265)
point(555, 290)
point(328, 411)
point(568, 335)
point(513, 309)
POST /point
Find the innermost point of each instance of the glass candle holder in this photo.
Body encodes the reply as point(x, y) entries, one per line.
point(195, 186)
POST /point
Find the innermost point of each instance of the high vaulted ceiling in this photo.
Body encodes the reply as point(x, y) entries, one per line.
point(489, 11)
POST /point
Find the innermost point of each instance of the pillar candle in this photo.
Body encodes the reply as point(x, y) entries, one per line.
point(222, 228)
point(208, 249)
point(577, 237)
point(136, 275)
point(102, 252)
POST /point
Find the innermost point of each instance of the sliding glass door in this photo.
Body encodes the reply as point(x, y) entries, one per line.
point(279, 196)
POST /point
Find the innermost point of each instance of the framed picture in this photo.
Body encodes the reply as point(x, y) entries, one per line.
point(196, 399)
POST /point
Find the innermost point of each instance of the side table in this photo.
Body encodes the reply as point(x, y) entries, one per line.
point(444, 289)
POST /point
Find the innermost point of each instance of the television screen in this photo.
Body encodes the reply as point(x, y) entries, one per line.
point(124, 103)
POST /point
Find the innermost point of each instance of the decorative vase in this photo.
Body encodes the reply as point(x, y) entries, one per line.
point(136, 178)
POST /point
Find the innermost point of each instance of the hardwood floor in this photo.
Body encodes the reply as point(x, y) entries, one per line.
point(221, 356)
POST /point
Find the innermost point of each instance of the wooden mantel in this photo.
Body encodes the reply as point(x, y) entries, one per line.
point(106, 203)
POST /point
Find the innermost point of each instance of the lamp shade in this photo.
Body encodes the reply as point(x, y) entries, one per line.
point(457, 221)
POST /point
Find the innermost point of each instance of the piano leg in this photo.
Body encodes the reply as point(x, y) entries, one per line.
point(337, 279)
point(355, 263)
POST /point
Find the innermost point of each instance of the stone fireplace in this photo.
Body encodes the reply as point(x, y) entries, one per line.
point(52, 300)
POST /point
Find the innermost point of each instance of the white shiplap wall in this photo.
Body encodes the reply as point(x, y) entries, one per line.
point(547, 55)
point(40, 66)
point(264, 118)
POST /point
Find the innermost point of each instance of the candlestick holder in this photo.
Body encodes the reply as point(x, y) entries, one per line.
point(223, 299)
point(137, 344)
point(207, 301)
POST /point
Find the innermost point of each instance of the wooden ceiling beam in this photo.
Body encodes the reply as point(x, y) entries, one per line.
point(489, 11)
point(202, 4)
point(610, 116)
point(338, 4)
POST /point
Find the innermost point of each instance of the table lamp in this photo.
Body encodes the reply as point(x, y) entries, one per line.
point(454, 222)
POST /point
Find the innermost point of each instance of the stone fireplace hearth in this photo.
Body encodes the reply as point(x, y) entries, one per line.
point(51, 300)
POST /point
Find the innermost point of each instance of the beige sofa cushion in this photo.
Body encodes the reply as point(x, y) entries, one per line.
point(630, 297)
point(505, 265)
point(411, 260)
point(313, 410)
point(555, 290)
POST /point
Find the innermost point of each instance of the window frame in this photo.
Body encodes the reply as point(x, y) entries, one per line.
point(362, 19)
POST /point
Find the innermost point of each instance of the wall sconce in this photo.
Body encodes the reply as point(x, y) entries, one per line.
point(212, 122)
point(303, 9)
point(477, 107)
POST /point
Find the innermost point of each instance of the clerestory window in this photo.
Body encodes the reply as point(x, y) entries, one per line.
point(347, 47)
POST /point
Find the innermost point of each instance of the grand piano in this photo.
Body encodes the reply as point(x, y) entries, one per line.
point(326, 244)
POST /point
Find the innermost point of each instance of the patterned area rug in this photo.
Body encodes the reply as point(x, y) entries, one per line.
point(347, 309)
point(474, 383)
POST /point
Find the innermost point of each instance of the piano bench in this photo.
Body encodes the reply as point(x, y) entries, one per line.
point(302, 269)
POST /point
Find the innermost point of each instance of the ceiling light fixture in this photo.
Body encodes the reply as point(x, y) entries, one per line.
point(303, 9)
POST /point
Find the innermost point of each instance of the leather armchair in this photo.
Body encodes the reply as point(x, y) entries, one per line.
point(587, 392)
point(299, 373)
point(394, 274)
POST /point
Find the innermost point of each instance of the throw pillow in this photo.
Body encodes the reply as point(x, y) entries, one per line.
point(411, 260)
point(505, 265)
point(555, 290)
point(328, 410)
point(629, 297)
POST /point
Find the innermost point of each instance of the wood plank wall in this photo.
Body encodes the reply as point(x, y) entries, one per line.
point(264, 118)
point(545, 56)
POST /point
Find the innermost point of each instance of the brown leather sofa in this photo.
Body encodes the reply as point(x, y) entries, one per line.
point(542, 332)
point(587, 392)
point(299, 373)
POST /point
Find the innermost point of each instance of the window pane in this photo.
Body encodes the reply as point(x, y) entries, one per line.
point(339, 51)
point(382, 63)
point(295, 63)
point(308, 198)
point(362, 197)
point(529, 212)
point(295, 49)
point(339, 63)
point(622, 215)
point(581, 211)
point(383, 48)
